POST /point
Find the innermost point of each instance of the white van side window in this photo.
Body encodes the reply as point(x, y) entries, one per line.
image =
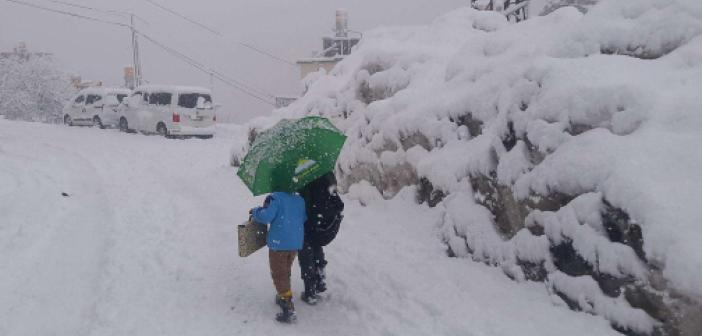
point(189, 100)
point(135, 98)
point(160, 98)
point(80, 99)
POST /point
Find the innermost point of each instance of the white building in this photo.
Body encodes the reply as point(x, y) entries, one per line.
point(334, 49)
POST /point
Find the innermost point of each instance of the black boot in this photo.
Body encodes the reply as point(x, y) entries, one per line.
point(321, 283)
point(309, 296)
point(288, 310)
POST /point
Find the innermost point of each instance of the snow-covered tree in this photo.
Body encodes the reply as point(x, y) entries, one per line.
point(33, 89)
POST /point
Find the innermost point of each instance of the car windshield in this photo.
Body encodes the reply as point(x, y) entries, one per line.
point(113, 99)
point(189, 100)
point(92, 99)
point(120, 97)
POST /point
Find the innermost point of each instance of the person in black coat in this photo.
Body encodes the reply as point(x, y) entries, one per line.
point(324, 215)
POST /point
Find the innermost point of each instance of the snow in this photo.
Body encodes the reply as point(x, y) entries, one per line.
point(145, 244)
point(588, 240)
point(173, 88)
point(604, 103)
point(103, 90)
point(586, 291)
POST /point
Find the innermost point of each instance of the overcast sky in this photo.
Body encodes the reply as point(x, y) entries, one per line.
point(287, 28)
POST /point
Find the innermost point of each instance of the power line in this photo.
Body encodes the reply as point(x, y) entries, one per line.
point(104, 11)
point(223, 78)
point(242, 86)
point(263, 52)
point(184, 17)
point(249, 88)
point(250, 91)
point(76, 15)
point(219, 34)
point(239, 83)
point(74, 5)
point(135, 47)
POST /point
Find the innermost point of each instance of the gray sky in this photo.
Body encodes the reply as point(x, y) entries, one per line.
point(287, 28)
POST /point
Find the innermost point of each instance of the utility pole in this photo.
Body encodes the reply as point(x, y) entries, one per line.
point(135, 53)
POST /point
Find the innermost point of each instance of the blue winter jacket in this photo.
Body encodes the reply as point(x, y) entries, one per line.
point(285, 212)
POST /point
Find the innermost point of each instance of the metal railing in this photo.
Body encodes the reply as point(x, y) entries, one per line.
point(514, 10)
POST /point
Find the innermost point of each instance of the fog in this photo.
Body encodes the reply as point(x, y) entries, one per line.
point(287, 29)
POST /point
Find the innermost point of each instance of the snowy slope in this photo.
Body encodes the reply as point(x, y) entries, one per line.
point(562, 148)
point(144, 244)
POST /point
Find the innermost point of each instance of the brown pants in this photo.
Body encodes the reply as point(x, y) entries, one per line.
point(281, 267)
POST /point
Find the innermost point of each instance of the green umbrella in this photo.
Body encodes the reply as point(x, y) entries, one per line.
point(291, 154)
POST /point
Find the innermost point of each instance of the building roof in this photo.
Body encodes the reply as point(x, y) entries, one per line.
point(320, 59)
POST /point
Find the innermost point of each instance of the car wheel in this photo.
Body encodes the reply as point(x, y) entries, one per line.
point(162, 130)
point(67, 120)
point(97, 122)
point(123, 125)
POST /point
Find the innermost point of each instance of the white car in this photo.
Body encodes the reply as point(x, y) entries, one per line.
point(171, 111)
point(95, 106)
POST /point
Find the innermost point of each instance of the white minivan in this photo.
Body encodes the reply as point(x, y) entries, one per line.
point(171, 111)
point(95, 106)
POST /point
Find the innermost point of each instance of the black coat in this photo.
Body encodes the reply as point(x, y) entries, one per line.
point(324, 210)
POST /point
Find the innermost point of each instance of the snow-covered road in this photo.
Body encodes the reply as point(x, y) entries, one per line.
point(144, 244)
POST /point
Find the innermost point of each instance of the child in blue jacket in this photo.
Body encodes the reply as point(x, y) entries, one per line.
point(285, 212)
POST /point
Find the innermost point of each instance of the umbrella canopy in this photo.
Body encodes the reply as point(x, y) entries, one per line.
point(291, 154)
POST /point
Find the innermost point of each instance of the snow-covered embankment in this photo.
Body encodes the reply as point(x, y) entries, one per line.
point(560, 149)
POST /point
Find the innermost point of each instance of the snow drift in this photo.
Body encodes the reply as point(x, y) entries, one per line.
point(561, 149)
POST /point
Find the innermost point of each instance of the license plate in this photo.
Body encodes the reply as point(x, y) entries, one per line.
point(197, 118)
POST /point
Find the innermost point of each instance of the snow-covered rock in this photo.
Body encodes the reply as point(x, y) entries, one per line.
point(562, 148)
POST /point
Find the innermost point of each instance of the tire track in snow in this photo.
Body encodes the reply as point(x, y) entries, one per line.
point(164, 265)
point(9, 182)
point(57, 273)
